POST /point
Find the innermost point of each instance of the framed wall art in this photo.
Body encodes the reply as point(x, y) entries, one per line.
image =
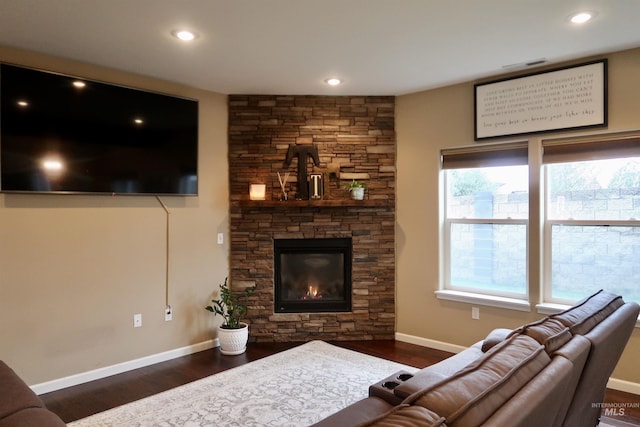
point(570, 97)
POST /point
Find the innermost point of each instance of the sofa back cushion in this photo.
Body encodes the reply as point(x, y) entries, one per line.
point(582, 317)
point(471, 395)
point(551, 333)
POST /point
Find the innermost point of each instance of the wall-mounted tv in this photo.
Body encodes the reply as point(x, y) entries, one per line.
point(65, 134)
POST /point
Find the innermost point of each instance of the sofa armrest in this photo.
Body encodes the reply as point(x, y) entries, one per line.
point(22, 407)
point(360, 412)
point(30, 417)
point(384, 389)
point(21, 395)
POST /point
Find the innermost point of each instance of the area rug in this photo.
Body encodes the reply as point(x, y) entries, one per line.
point(611, 422)
point(294, 388)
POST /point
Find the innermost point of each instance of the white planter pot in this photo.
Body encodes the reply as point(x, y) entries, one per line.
point(357, 193)
point(233, 341)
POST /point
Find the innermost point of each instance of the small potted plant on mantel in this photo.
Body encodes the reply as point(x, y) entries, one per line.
point(232, 333)
point(356, 188)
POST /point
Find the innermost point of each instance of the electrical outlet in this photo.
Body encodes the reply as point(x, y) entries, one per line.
point(168, 313)
point(475, 313)
point(137, 320)
point(220, 238)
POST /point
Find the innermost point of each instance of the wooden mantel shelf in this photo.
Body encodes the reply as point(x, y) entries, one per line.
point(347, 203)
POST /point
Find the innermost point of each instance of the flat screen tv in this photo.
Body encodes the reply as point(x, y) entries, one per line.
point(65, 134)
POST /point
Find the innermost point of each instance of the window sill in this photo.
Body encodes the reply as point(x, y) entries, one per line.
point(550, 308)
point(486, 300)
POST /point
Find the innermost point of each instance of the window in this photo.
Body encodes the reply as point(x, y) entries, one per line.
point(486, 220)
point(592, 219)
point(582, 205)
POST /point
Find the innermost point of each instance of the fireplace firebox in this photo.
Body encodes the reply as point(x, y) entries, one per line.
point(312, 275)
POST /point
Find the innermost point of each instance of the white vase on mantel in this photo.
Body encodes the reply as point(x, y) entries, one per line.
point(357, 193)
point(233, 341)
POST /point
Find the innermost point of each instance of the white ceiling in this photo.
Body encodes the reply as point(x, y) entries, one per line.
point(378, 47)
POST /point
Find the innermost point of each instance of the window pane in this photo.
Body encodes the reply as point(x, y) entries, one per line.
point(589, 258)
point(489, 258)
point(594, 190)
point(496, 192)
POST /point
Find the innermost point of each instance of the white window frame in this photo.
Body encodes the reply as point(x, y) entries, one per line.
point(621, 143)
point(538, 243)
point(447, 291)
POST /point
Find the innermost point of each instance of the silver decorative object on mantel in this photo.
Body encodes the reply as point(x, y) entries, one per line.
point(316, 186)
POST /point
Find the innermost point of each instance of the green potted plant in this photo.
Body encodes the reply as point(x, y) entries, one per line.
point(233, 334)
point(356, 188)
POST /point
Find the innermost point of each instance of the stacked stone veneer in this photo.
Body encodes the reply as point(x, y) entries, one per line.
point(356, 132)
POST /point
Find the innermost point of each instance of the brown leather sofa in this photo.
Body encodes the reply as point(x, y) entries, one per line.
point(19, 405)
point(552, 372)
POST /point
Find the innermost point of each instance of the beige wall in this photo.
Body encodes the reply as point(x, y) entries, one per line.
point(74, 269)
point(425, 123)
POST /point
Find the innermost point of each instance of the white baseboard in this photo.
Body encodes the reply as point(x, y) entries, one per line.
point(622, 385)
point(613, 383)
point(425, 342)
point(119, 368)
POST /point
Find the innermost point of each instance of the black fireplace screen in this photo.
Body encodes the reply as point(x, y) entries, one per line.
point(312, 275)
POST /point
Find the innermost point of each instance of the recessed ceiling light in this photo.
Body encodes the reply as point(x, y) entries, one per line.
point(79, 84)
point(184, 35)
point(23, 103)
point(333, 81)
point(582, 17)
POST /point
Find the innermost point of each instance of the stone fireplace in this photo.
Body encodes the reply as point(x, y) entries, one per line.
point(354, 137)
point(312, 275)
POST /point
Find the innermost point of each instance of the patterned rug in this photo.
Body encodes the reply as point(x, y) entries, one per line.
point(610, 422)
point(294, 388)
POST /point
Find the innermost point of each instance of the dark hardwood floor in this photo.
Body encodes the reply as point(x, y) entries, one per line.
point(86, 399)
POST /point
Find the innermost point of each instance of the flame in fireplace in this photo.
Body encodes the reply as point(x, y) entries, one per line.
point(313, 292)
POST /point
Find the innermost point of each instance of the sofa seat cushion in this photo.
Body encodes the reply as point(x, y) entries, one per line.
point(582, 317)
point(471, 395)
point(407, 416)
